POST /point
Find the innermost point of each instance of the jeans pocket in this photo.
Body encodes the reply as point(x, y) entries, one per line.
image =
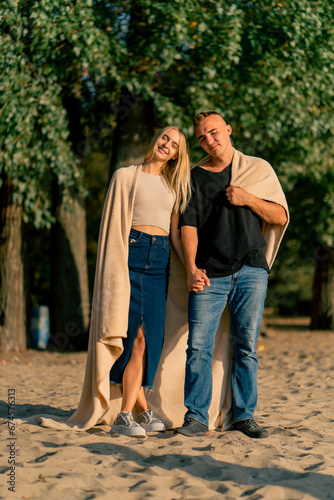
point(134, 238)
point(165, 245)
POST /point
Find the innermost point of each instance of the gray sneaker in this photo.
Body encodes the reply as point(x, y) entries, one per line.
point(124, 424)
point(150, 422)
point(192, 427)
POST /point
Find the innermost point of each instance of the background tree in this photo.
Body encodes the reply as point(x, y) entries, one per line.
point(51, 57)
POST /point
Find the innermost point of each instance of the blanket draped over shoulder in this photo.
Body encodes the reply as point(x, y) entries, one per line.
point(100, 401)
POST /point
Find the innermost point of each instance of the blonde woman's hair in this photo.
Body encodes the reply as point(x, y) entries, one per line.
point(176, 172)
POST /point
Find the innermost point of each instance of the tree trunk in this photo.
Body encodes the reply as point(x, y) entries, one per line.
point(323, 289)
point(13, 322)
point(134, 131)
point(69, 312)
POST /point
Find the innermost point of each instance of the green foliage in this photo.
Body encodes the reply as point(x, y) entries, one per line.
point(46, 50)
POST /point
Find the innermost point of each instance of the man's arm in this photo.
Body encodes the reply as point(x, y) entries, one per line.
point(196, 278)
point(267, 210)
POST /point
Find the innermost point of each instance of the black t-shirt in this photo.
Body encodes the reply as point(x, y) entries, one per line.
point(228, 235)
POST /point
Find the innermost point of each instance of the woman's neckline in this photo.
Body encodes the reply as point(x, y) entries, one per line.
point(148, 173)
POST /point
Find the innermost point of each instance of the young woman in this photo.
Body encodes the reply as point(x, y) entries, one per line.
point(162, 190)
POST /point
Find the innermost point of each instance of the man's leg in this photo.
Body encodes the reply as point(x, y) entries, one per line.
point(246, 304)
point(204, 313)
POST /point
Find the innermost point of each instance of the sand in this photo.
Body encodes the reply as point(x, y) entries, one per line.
point(296, 461)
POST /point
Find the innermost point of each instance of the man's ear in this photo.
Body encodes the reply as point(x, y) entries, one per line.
point(229, 129)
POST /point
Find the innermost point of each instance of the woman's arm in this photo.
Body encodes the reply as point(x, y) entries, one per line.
point(175, 236)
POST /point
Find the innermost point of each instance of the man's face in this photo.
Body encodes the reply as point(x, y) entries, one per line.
point(214, 135)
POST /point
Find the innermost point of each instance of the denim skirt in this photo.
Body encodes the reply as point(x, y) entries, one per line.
point(148, 269)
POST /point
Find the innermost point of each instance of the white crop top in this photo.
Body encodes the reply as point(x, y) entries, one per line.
point(153, 203)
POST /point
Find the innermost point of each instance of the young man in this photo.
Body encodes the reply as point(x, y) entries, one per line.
point(230, 234)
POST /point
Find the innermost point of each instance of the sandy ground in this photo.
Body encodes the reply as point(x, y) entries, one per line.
point(296, 461)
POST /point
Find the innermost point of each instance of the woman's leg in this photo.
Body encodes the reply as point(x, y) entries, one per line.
point(133, 374)
point(141, 403)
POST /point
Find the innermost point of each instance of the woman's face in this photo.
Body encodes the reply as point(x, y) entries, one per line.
point(167, 146)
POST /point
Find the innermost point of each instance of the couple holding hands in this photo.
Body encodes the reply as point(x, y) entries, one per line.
point(202, 240)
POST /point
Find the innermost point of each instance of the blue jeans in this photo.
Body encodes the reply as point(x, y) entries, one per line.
point(245, 292)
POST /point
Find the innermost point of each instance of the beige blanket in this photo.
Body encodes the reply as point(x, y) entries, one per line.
point(100, 401)
point(110, 305)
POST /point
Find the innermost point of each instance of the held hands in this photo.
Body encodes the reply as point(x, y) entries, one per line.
point(237, 196)
point(197, 280)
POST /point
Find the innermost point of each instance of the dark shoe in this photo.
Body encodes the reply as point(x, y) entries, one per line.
point(192, 427)
point(250, 428)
